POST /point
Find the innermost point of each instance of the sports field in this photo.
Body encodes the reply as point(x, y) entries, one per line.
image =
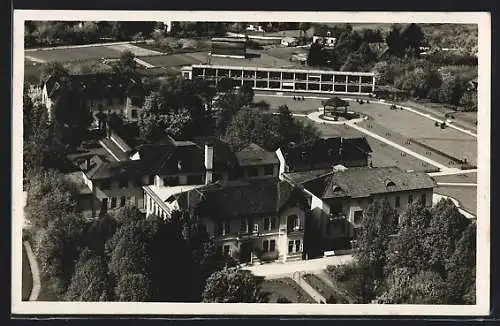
point(171, 60)
point(74, 54)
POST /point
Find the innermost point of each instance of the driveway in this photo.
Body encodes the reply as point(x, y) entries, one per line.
point(280, 269)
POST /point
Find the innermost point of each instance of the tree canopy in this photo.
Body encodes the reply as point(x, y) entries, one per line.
point(232, 285)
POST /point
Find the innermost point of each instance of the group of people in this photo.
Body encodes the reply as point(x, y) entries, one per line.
point(298, 98)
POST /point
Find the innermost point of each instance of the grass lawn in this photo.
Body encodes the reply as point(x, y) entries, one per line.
point(323, 288)
point(467, 196)
point(74, 54)
point(285, 287)
point(27, 279)
point(306, 106)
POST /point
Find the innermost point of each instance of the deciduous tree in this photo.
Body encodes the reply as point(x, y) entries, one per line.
point(232, 285)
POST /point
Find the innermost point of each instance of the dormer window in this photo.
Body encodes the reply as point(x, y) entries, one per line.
point(389, 183)
point(179, 165)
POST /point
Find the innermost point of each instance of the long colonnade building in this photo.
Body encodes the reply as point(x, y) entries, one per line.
point(286, 79)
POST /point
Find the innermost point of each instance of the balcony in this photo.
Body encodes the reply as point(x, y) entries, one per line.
point(295, 230)
point(247, 235)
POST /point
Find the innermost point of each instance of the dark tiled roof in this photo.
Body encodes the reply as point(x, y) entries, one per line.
point(363, 182)
point(164, 157)
point(303, 176)
point(240, 198)
point(326, 153)
point(107, 170)
point(253, 154)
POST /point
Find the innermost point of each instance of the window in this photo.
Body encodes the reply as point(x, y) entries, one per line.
point(106, 184)
point(358, 217)
point(171, 181)
point(269, 169)
point(292, 223)
point(269, 245)
point(245, 225)
point(226, 228)
point(134, 114)
point(113, 202)
point(226, 250)
point(297, 246)
point(269, 223)
point(410, 199)
point(253, 171)
point(104, 204)
point(265, 245)
point(272, 245)
point(256, 228)
point(398, 202)
point(423, 199)
point(122, 201)
point(123, 183)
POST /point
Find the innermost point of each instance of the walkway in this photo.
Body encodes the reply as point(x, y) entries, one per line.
point(452, 172)
point(457, 184)
point(280, 269)
point(35, 272)
point(76, 46)
point(299, 279)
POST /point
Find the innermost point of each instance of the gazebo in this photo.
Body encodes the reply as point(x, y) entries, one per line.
point(335, 103)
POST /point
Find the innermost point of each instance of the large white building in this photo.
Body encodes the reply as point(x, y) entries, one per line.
point(286, 79)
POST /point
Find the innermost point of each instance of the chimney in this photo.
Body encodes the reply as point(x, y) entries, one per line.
point(209, 162)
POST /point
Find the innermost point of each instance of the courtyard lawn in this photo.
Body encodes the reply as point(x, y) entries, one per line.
point(75, 54)
point(463, 178)
point(27, 279)
point(324, 289)
point(285, 287)
point(306, 106)
point(467, 196)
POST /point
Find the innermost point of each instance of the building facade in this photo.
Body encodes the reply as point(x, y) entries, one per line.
point(287, 79)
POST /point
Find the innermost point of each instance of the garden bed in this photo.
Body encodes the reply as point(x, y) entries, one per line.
point(285, 288)
point(324, 289)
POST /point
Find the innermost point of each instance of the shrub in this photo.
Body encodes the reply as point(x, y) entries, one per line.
point(283, 300)
point(342, 273)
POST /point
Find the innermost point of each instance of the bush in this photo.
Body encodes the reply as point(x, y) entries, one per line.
point(342, 273)
point(283, 300)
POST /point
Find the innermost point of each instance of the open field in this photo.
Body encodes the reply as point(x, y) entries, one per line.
point(285, 287)
point(171, 60)
point(74, 54)
point(27, 279)
point(283, 53)
point(467, 196)
point(32, 71)
point(136, 50)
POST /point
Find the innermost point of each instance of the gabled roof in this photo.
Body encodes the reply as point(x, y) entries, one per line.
point(121, 169)
point(364, 182)
point(240, 198)
point(326, 153)
point(253, 154)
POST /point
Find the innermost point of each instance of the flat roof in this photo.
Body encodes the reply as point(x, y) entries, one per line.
point(347, 73)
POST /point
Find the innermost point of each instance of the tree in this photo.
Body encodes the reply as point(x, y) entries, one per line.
point(394, 41)
point(451, 90)
point(404, 287)
point(57, 247)
point(468, 101)
point(90, 281)
point(225, 84)
point(50, 198)
point(373, 240)
point(461, 269)
point(232, 285)
point(445, 230)
point(409, 248)
point(315, 56)
point(359, 59)
point(134, 288)
point(412, 38)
